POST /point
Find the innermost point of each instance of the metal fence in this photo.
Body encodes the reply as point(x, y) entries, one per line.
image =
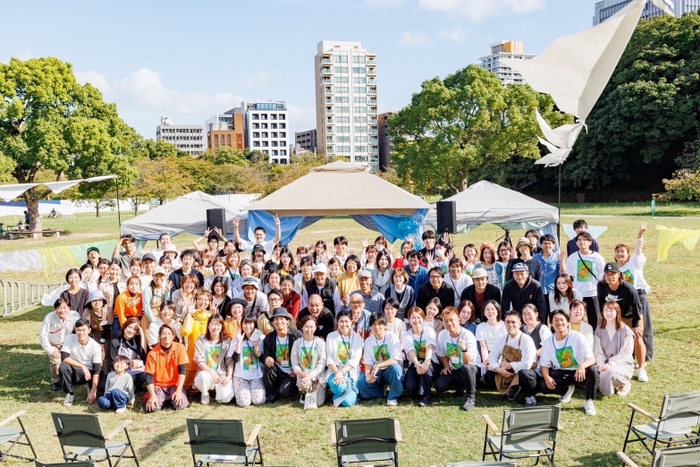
point(18, 296)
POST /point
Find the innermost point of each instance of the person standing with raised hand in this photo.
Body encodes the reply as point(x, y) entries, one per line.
point(586, 266)
point(259, 233)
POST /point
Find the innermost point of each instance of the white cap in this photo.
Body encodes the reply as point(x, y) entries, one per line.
point(321, 267)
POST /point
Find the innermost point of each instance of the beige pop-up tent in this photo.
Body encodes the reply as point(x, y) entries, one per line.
point(340, 189)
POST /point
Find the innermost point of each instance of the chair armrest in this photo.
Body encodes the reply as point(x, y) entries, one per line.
point(397, 431)
point(334, 441)
point(642, 411)
point(12, 417)
point(491, 425)
point(254, 435)
point(116, 431)
point(628, 462)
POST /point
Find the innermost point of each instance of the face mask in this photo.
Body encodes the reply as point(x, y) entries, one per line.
point(439, 252)
point(258, 266)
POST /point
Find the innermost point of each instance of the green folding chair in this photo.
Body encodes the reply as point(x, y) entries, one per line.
point(223, 442)
point(13, 437)
point(683, 456)
point(373, 441)
point(66, 464)
point(678, 422)
point(82, 439)
point(483, 464)
point(526, 433)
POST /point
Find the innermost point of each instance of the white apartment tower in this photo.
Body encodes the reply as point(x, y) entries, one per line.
point(499, 51)
point(346, 103)
point(607, 8)
point(187, 138)
point(267, 129)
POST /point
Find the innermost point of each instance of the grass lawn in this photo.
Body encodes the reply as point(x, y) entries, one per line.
point(435, 435)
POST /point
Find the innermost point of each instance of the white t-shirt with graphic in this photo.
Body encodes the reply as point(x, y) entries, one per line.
point(248, 367)
point(586, 270)
point(419, 344)
point(448, 346)
point(378, 351)
point(566, 354)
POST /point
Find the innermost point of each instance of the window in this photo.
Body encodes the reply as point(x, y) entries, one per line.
point(273, 116)
point(283, 134)
point(359, 70)
point(361, 129)
point(359, 100)
point(343, 148)
point(359, 90)
point(263, 117)
point(340, 58)
point(342, 99)
point(265, 144)
point(274, 144)
point(342, 139)
point(342, 89)
point(359, 59)
point(343, 110)
point(256, 126)
point(256, 144)
point(343, 129)
point(360, 139)
point(361, 148)
point(283, 143)
point(256, 116)
point(256, 134)
point(341, 79)
point(359, 110)
point(273, 125)
point(283, 152)
point(274, 152)
point(340, 69)
point(265, 134)
point(283, 117)
point(342, 119)
point(361, 119)
point(284, 125)
point(273, 134)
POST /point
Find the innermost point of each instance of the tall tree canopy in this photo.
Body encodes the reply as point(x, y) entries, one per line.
point(49, 121)
point(647, 113)
point(454, 128)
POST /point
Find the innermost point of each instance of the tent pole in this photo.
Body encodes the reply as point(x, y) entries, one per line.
point(559, 213)
point(119, 213)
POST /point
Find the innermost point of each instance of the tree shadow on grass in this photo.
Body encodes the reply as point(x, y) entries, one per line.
point(157, 443)
point(25, 376)
point(37, 314)
point(602, 459)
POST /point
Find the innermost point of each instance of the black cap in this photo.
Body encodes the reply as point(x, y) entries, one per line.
point(611, 267)
point(281, 313)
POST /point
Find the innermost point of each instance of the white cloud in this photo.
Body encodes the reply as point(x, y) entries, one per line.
point(261, 79)
point(410, 39)
point(385, 3)
point(144, 90)
point(456, 35)
point(477, 10)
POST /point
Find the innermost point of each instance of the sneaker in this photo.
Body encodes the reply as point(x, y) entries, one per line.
point(566, 398)
point(302, 399)
point(513, 393)
point(421, 403)
point(589, 408)
point(271, 398)
point(205, 399)
point(69, 400)
point(624, 390)
point(310, 401)
point(56, 386)
point(122, 410)
point(642, 375)
point(530, 401)
point(392, 402)
point(469, 404)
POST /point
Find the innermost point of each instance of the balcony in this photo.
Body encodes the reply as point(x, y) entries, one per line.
point(372, 131)
point(372, 110)
point(374, 150)
point(372, 100)
point(326, 61)
point(371, 81)
point(372, 91)
point(326, 71)
point(371, 71)
point(371, 61)
point(328, 89)
point(329, 100)
point(326, 81)
point(373, 120)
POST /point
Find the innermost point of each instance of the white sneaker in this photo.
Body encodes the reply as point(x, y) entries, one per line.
point(122, 410)
point(205, 399)
point(589, 408)
point(530, 401)
point(392, 402)
point(310, 401)
point(566, 398)
point(642, 375)
point(68, 401)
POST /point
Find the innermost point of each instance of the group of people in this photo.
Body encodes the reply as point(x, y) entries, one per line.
point(256, 322)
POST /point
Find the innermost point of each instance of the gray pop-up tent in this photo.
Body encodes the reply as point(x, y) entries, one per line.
point(488, 203)
point(184, 215)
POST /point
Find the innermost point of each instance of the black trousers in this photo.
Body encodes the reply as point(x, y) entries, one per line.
point(277, 381)
point(565, 378)
point(592, 311)
point(463, 378)
point(419, 385)
point(527, 380)
point(70, 376)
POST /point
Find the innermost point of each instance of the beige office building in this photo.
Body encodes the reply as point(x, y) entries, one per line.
point(346, 103)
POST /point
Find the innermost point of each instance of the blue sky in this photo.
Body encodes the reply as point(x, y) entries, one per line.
point(191, 60)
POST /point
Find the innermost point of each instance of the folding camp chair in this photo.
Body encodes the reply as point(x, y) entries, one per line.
point(483, 464)
point(14, 437)
point(525, 430)
point(223, 442)
point(367, 441)
point(82, 435)
point(683, 456)
point(678, 422)
point(67, 464)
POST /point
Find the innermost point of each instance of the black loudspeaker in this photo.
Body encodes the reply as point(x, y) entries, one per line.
point(217, 218)
point(446, 217)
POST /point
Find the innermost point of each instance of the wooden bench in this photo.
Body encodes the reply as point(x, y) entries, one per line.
point(14, 234)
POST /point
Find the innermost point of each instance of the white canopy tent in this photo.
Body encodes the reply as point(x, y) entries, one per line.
point(488, 203)
point(184, 215)
point(10, 192)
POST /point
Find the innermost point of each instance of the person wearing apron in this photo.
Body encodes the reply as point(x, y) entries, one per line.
point(512, 360)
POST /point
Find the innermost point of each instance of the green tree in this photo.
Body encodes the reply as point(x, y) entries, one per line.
point(226, 155)
point(648, 111)
point(49, 121)
point(457, 126)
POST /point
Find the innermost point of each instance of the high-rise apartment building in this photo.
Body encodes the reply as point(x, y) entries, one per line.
point(607, 8)
point(499, 51)
point(267, 129)
point(187, 138)
point(225, 130)
point(346, 102)
point(386, 145)
point(306, 140)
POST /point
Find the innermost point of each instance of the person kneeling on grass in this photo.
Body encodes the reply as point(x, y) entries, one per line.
point(308, 362)
point(382, 359)
point(119, 389)
point(278, 375)
point(567, 360)
point(456, 349)
point(81, 362)
point(166, 367)
point(214, 366)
